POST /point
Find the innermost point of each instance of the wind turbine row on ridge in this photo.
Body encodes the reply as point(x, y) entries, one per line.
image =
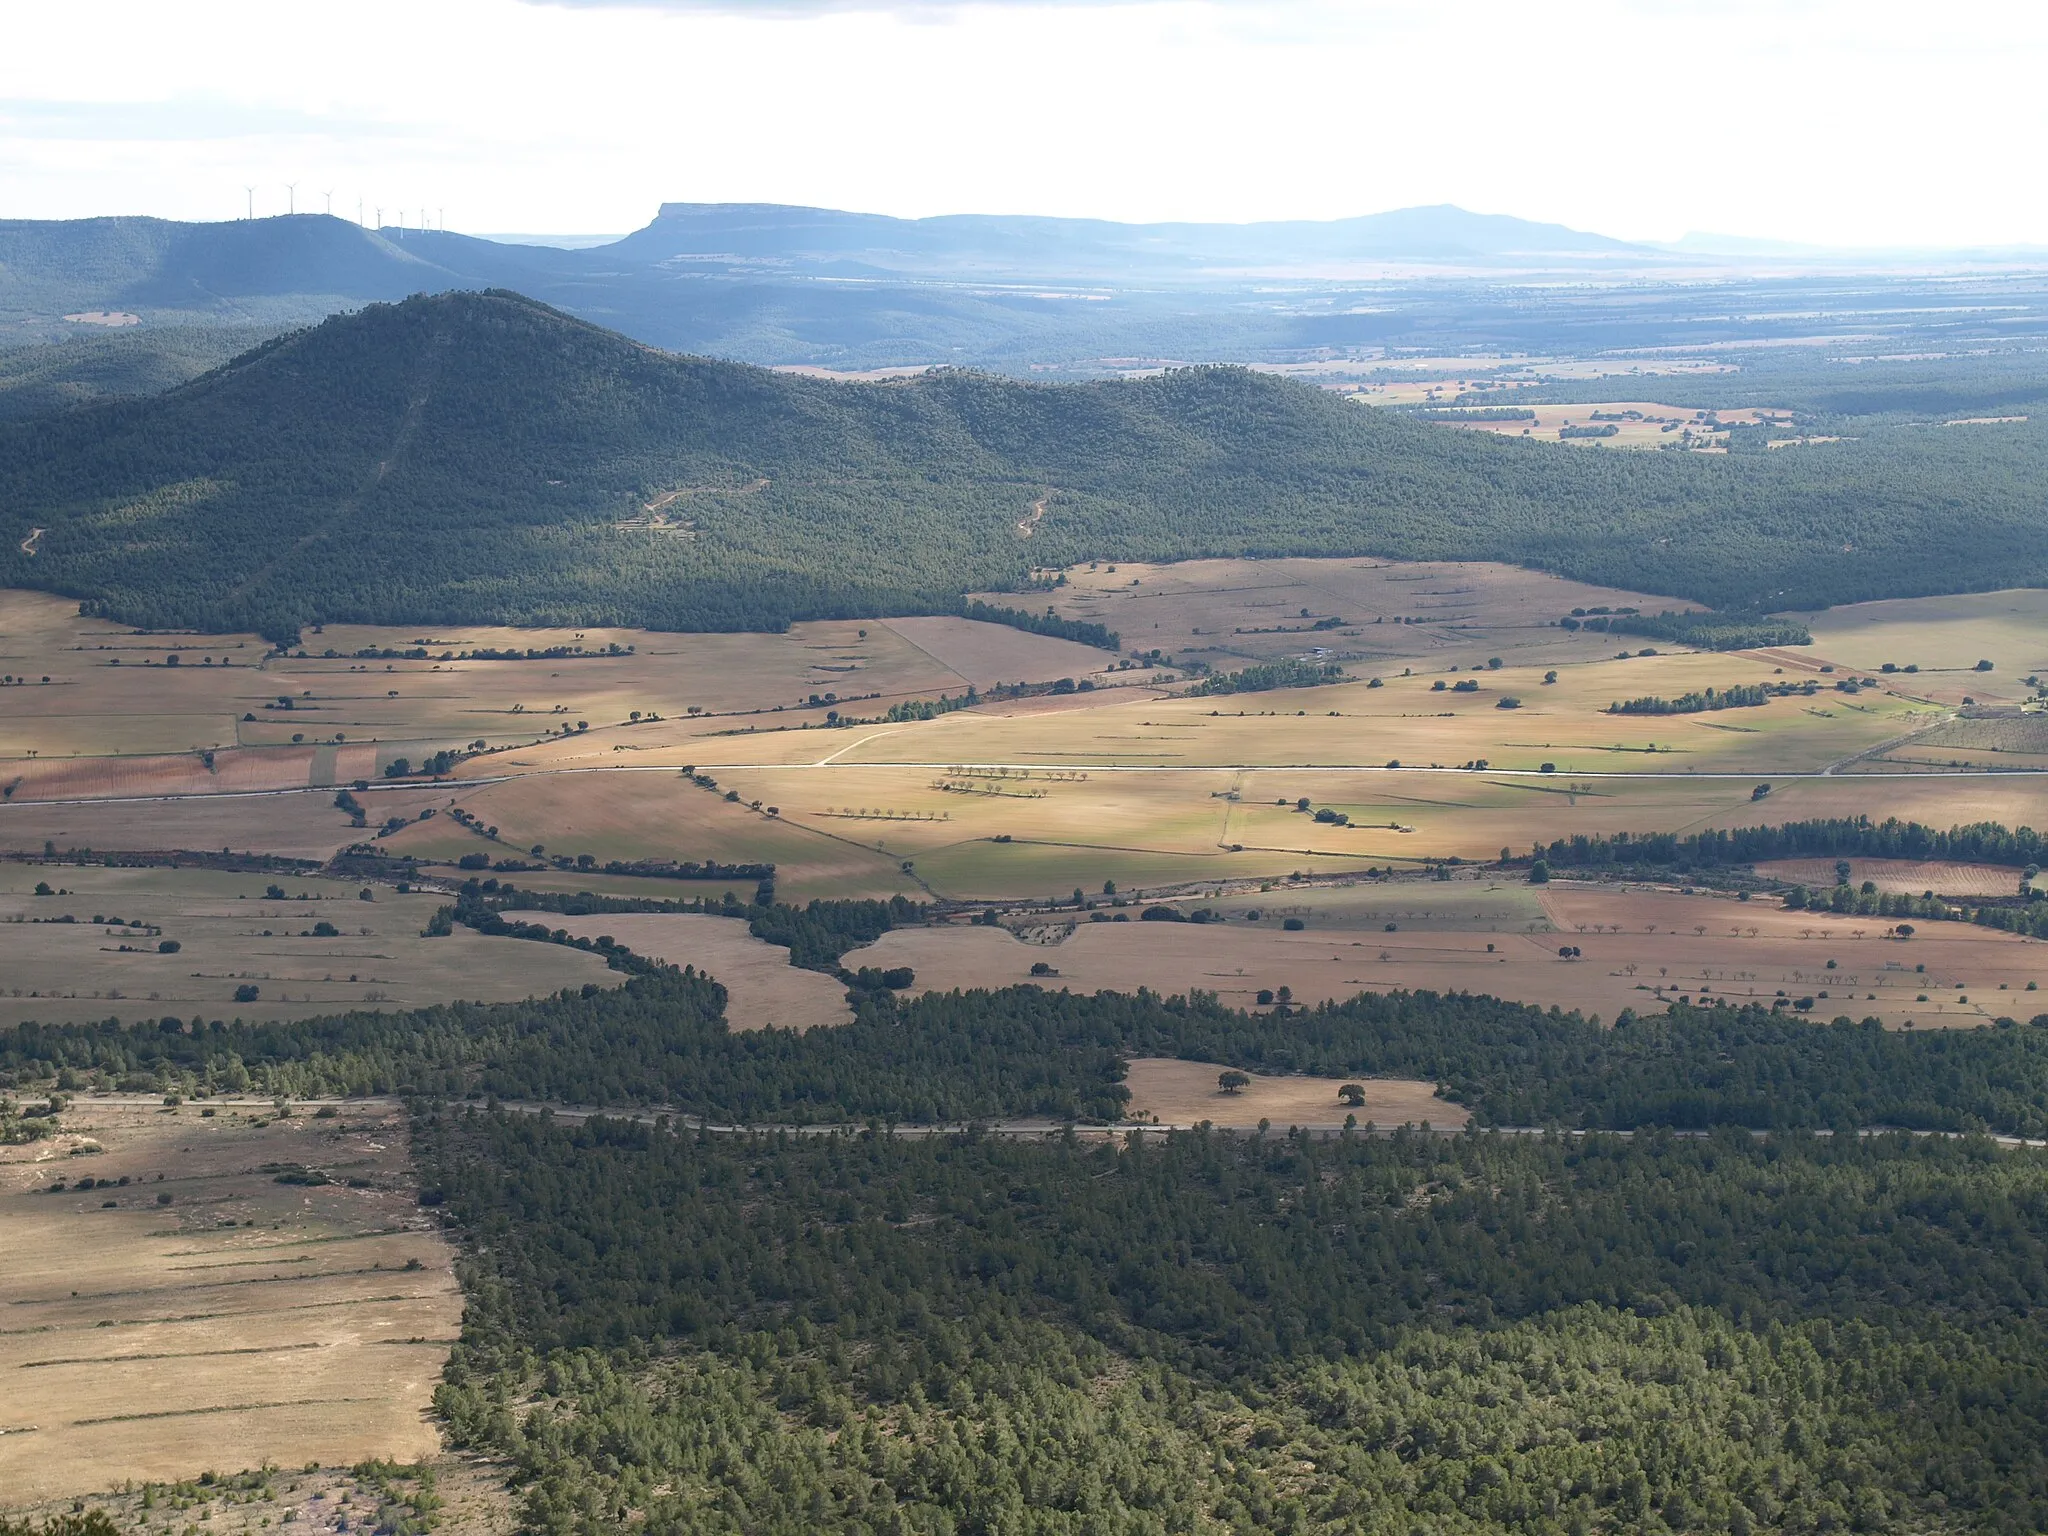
point(291, 191)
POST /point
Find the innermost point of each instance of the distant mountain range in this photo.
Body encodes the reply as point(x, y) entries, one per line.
point(778, 285)
point(156, 264)
point(1048, 249)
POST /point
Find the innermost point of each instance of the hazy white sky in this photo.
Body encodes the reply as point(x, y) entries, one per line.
point(1840, 121)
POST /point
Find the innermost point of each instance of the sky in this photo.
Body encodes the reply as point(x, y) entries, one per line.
point(1840, 122)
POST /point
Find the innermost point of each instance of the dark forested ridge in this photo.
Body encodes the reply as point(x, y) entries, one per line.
point(478, 457)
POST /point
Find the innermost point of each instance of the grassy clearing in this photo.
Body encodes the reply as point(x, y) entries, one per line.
point(240, 1322)
point(1186, 1093)
point(231, 935)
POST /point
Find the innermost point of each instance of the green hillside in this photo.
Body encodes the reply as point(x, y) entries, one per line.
point(479, 457)
point(89, 366)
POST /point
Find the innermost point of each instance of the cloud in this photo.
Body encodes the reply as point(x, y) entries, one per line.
point(793, 10)
point(178, 121)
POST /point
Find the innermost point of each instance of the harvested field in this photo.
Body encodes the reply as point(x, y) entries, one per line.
point(2026, 735)
point(1910, 876)
point(986, 654)
point(762, 988)
point(1023, 799)
point(303, 826)
point(1227, 612)
point(204, 1315)
point(1639, 948)
point(1945, 637)
point(382, 693)
point(1185, 1093)
point(2003, 740)
point(655, 815)
point(2010, 799)
point(106, 960)
point(1636, 423)
point(1946, 975)
point(1237, 960)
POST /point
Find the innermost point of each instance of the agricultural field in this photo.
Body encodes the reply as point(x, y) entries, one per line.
point(1633, 423)
point(1945, 637)
point(1991, 740)
point(1909, 877)
point(762, 988)
point(207, 1288)
point(1384, 613)
point(96, 709)
point(1418, 380)
point(95, 947)
point(1187, 1093)
point(302, 824)
point(1470, 723)
point(1633, 948)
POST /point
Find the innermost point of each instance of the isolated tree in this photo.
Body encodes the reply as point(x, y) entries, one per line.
point(1352, 1094)
point(1232, 1081)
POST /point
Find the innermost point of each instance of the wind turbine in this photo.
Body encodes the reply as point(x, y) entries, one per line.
point(442, 215)
point(380, 219)
point(330, 203)
point(291, 197)
point(252, 200)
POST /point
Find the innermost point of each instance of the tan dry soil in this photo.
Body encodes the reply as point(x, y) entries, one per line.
point(244, 1322)
point(1186, 1093)
point(762, 988)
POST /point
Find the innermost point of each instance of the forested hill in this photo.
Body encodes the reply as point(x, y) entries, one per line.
point(479, 457)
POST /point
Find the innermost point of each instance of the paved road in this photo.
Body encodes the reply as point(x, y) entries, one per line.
point(1041, 1130)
